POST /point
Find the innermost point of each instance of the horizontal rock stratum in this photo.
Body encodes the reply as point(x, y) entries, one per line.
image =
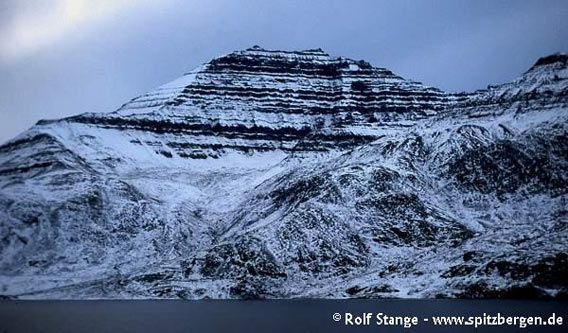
point(276, 174)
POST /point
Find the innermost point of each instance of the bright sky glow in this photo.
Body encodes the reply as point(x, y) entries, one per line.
point(31, 30)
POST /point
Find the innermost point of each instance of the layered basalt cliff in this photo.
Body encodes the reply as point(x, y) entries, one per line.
point(261, 100)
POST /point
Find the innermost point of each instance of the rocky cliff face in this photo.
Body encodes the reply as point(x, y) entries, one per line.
point(294, 174)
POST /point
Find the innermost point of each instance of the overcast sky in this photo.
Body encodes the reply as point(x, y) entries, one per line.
point(63, 57)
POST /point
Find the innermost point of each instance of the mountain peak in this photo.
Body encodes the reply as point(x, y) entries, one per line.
point(559, 59)
point(258, 49)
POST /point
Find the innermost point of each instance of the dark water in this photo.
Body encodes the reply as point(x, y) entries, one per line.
point(257, 316)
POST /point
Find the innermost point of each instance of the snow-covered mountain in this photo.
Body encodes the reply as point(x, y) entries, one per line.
point(294, 174)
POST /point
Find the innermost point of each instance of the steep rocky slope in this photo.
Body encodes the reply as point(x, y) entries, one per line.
point(294, 174)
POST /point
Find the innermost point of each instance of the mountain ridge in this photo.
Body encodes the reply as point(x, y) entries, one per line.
point(291, 174)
